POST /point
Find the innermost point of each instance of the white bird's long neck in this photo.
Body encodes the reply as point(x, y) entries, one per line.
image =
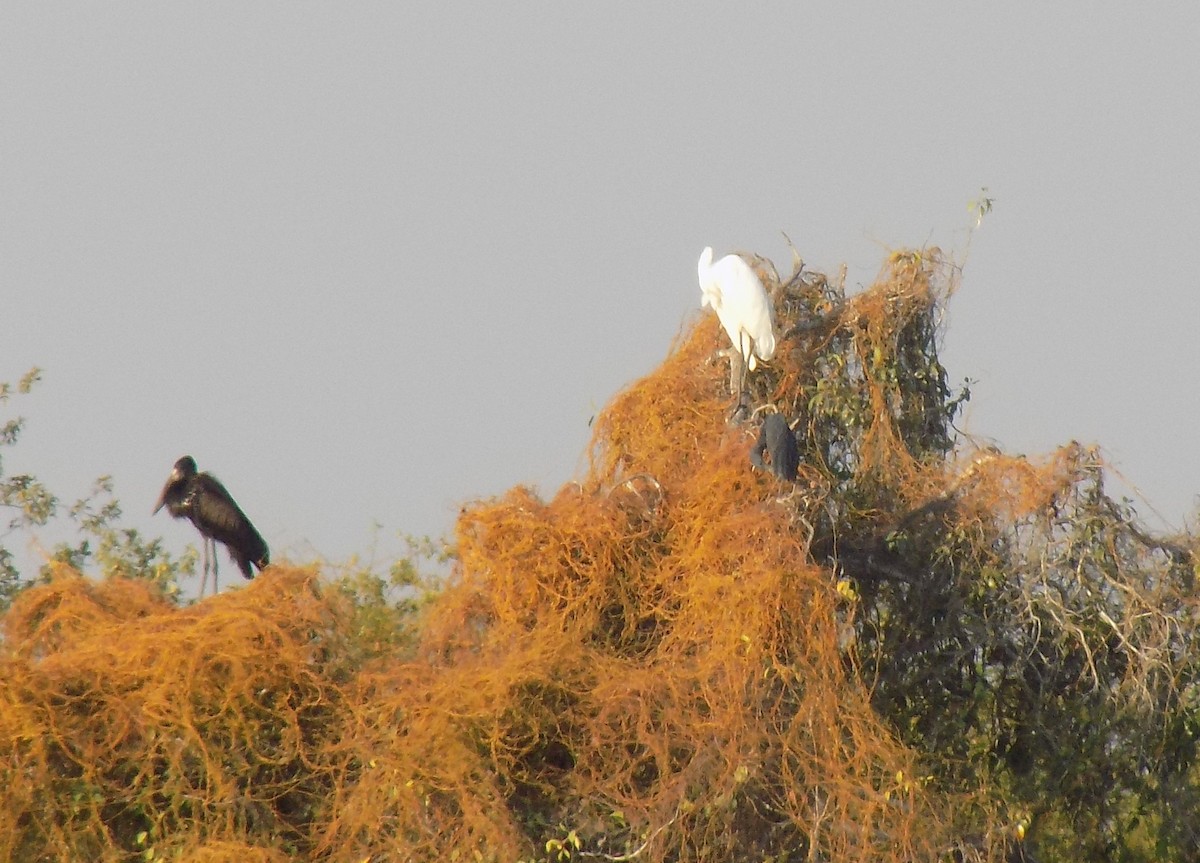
point(704, 265)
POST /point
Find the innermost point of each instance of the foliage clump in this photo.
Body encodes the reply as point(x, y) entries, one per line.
point(919, 650)
point(131, 726)
point(654, 661)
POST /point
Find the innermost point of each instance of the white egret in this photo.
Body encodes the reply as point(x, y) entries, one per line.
point(735, 293)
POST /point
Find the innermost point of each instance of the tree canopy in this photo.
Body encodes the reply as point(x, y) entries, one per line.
point(919, 650)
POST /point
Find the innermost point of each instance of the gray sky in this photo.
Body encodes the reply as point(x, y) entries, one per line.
point(366, 262)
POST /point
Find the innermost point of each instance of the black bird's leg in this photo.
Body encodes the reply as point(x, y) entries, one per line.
point(204, 564)
point(209, 547)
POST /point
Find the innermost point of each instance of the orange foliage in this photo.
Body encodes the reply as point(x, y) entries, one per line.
point(120, 708)
point(651, 659)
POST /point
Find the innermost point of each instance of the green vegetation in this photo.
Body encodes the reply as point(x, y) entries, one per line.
point(920, 651)
point(112, 551)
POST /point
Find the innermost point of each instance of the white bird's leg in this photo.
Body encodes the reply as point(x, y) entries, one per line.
point(216, 567)
point(737, 384)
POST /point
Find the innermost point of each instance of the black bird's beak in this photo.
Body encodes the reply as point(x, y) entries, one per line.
point(162, 496)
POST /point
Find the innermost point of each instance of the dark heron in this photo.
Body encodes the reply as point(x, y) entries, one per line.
point(201, 499)
point(776, 439)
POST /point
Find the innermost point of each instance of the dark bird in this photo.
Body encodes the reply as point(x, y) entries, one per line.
point(776, 439)
point(201, 499)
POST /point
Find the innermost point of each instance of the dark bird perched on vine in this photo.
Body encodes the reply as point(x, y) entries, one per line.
point(201, 499)
point(776, 439)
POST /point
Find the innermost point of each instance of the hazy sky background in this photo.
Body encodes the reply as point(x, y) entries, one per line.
point(369, 261)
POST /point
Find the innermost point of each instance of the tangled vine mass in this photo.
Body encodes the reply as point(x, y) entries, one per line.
point(917, 651)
